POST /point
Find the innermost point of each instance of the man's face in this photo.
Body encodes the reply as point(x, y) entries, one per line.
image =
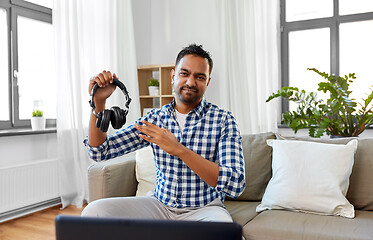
point(190, 79)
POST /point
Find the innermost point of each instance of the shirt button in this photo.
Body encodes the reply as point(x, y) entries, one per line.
point(177, 200)
point(179, 180)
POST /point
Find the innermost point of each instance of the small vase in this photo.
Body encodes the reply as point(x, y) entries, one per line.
point(153, 91)
point(37, 123)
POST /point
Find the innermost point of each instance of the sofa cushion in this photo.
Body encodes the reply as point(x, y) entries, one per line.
point(360, 191)
point(279, 224)
point(145, 171)
point(241, 211)
point(310, 177)
point(258, 159)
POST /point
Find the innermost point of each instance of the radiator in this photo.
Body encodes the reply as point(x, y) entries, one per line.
point(28, 184)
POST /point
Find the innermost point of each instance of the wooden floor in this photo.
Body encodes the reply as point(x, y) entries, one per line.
point(38, 225)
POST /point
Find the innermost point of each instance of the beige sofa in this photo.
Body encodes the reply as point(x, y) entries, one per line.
point(117, 178)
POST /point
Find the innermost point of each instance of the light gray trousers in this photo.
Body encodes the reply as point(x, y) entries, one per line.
point(148, 207)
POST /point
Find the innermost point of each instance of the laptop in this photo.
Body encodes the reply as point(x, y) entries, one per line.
point(92, 228)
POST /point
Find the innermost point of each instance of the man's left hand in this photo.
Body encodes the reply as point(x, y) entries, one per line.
point(161, 137)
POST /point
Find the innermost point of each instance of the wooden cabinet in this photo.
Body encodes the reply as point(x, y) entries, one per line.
point(163, 74)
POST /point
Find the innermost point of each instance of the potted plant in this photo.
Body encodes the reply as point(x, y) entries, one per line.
point(37, 120)
point(153, 85)
point(339, 115)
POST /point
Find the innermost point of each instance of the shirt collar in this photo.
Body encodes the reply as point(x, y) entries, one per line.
point(199, 110)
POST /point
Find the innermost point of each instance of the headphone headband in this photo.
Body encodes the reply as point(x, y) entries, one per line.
point(117, 83)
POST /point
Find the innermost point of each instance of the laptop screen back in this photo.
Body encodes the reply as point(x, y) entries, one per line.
point(92, 228)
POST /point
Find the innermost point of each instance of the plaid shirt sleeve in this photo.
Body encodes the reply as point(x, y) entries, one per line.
point(231, 178)
point(118, 144)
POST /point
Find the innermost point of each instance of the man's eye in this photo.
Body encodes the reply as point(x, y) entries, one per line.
point(183, 74)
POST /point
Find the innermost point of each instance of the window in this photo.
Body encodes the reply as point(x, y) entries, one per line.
point(27, 65)
point(334, 36)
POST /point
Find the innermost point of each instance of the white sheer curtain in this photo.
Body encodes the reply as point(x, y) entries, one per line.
point(90, 36)
point(250, 46)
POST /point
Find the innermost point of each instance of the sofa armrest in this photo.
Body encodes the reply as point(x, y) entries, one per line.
point(112, 178)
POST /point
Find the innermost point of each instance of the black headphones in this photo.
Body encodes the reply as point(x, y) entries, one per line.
point(115, 115)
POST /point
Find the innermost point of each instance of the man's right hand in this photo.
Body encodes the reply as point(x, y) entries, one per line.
point(104, 81)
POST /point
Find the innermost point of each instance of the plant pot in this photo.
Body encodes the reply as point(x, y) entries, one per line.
point(337, 136)
point(153, 91)
point(37, 123)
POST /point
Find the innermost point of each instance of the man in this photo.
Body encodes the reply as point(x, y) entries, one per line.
point(197, 149)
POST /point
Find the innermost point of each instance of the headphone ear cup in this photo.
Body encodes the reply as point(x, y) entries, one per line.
point(105, 121)
point(123, 114)
point(117, 116)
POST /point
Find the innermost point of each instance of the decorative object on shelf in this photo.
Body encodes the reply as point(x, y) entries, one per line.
point(153, 85)
point(339, 115)
point(37, 120)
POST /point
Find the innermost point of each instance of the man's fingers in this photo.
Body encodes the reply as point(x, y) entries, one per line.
point(106, 75)
point(110, 76)
point(103, 79)
point(145, 129)
point(100, 79)
point(149, 139)
point(149, 124)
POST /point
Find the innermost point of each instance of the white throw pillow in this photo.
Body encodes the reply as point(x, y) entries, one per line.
point(310, 177)
point(145, 171)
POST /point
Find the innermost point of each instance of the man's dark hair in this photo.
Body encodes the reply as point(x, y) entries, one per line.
point(194, 49)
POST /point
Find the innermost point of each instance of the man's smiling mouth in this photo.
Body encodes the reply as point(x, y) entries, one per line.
point(189, 90)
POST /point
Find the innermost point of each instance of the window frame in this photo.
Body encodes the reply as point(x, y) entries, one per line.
point(328, 22)
point(8, 124)
point(15, 8)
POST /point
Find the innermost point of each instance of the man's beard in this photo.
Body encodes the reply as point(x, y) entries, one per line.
point(185, 98)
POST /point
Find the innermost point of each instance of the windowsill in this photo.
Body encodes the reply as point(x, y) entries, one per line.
point(26, 131)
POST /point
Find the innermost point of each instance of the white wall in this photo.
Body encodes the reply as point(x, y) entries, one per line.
point(141, 12)
point(17, 150)
point(173, 25)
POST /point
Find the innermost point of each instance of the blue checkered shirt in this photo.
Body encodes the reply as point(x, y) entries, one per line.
point(209, 131)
